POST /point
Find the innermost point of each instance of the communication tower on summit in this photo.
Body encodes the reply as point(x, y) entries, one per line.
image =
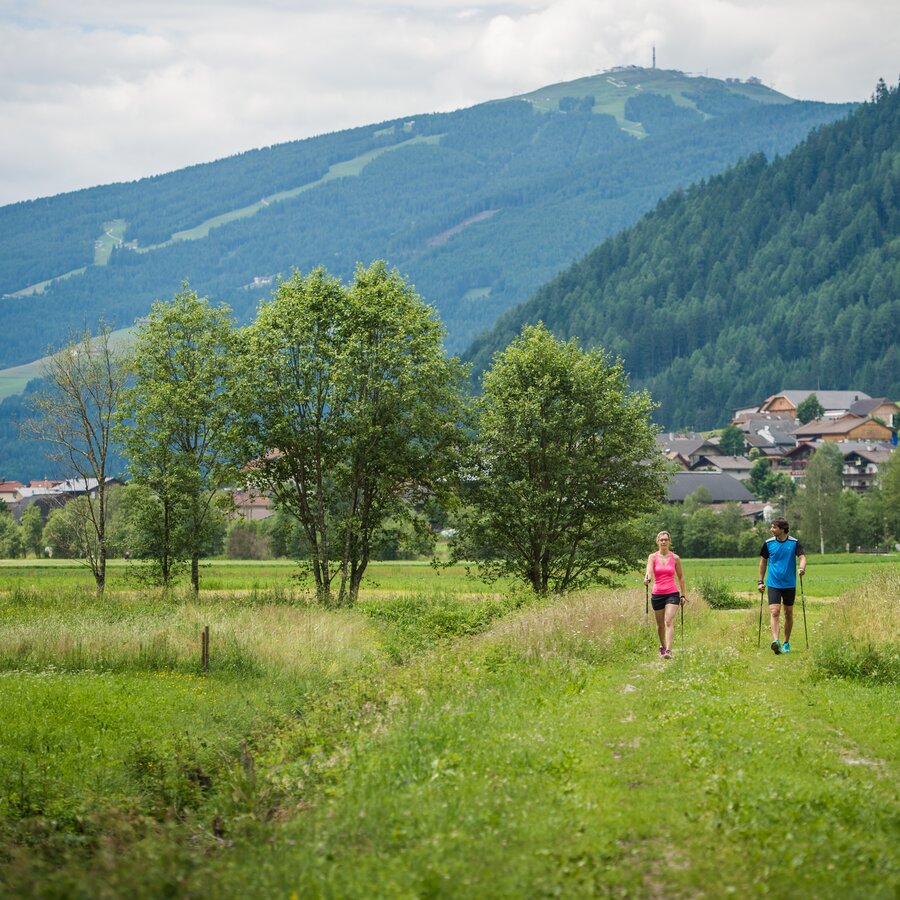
point(654, 56)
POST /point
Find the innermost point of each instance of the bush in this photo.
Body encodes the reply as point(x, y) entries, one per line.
point(718, 596)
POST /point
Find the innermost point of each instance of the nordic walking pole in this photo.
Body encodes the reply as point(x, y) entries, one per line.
point(646, 599)
point(759, 633)
point(803, 604)
point(682, 600)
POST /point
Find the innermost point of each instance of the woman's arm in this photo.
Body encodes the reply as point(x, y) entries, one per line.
point(648, 571)
point(680, 575)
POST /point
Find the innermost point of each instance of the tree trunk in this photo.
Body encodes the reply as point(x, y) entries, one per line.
point(195, 572)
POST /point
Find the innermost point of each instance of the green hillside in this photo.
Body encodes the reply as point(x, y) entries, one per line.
point(773, 275)
point(479, 207)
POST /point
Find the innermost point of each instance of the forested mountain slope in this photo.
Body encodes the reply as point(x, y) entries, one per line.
point(479, 207)
point(771, 276)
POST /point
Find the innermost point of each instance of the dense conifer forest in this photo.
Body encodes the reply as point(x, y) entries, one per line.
point(479, 207)
point(773, 275)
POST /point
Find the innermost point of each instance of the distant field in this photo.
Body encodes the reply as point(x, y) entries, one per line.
point(14, 379)
point(827, 576)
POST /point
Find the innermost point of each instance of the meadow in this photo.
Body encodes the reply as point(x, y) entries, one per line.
point(444, 738)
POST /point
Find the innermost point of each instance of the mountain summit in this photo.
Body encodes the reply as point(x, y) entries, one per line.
point(479, 206)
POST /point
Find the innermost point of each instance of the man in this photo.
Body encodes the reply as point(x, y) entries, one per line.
point(780, 554)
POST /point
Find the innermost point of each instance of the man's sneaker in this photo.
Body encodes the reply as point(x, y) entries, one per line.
point(776, 647)
point(786, 647)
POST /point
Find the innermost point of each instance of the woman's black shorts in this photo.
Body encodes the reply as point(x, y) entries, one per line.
point(661, 601)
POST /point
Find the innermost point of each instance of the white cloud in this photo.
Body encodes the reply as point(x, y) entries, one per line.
point(99, 91)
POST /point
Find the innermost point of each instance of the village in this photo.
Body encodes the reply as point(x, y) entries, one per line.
point(862, 427)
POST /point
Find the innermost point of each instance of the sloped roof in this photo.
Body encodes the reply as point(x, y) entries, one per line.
point(738, 463)
point(842, 425)
point(873, 451)
point(867, 407)
point(828, 399)
point(722, 487)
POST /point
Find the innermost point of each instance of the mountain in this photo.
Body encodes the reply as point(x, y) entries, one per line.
point(773, 275)
point(479, 206)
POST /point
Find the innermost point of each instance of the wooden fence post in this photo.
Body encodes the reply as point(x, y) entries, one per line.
point(204, 649)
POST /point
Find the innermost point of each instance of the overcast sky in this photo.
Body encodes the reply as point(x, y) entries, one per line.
point(93, 91)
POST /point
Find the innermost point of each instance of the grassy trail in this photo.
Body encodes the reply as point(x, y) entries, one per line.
point(725, 772)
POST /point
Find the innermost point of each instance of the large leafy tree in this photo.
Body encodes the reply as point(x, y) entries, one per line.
point(565, 462)
point(84, 386)
point(732, 442)
point(820, 499)
point(890, 492)
point(352, 413)
point(176, 424)
point(809, 409)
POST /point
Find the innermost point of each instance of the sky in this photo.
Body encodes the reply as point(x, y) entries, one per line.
point(95, 91)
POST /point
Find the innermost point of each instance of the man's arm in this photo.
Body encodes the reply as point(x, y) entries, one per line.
point(802, 560)
point(763, 565)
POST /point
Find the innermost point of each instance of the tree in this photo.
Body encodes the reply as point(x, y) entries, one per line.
point(351, 413)
point(809, 409)
point(731, 443)
point(11, 544)
point(32, 527)
point(890, 495)
point(768, 484)
point(565, 460)
point(176, 422)
point(75, 417)
point(820, 499)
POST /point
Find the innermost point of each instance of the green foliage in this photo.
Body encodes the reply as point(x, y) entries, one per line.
point(562, 181)
point(564, 460)
point(32, 527)
point(890, 491)
point(736, 287)
point(718, 596)
point(417, 622)
point(820, 499)
point(731, 443)
point(767, 484)
point(12, 544)
point(809, 409)
point(351, 412)
point(176, 426)
point(84, 384)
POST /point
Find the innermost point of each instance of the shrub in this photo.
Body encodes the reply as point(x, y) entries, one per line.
point(718, 596)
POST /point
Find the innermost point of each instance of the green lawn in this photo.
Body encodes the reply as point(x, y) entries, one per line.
point(446, 744)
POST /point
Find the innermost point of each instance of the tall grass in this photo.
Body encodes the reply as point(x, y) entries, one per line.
point(258, 634)
point(860, 636)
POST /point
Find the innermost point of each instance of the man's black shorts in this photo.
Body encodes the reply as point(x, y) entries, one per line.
point(660, 601)
point(782, 595)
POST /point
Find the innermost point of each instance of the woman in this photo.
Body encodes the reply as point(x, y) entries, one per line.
point(663, 567)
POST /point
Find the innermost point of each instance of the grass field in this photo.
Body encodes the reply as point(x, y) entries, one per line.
point(827, 577)
point(443, 739)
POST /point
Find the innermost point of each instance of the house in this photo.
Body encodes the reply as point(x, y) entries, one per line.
point(722, 488)
point(843, 428)
point(835, 403)
point(10, 491)
point(878, 407)
point(687, 449)
point(735, 466)
point(795, 461)
point(251, 506)
point(862, 461)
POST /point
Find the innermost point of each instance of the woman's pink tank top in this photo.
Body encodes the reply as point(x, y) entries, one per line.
point(664, 575)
